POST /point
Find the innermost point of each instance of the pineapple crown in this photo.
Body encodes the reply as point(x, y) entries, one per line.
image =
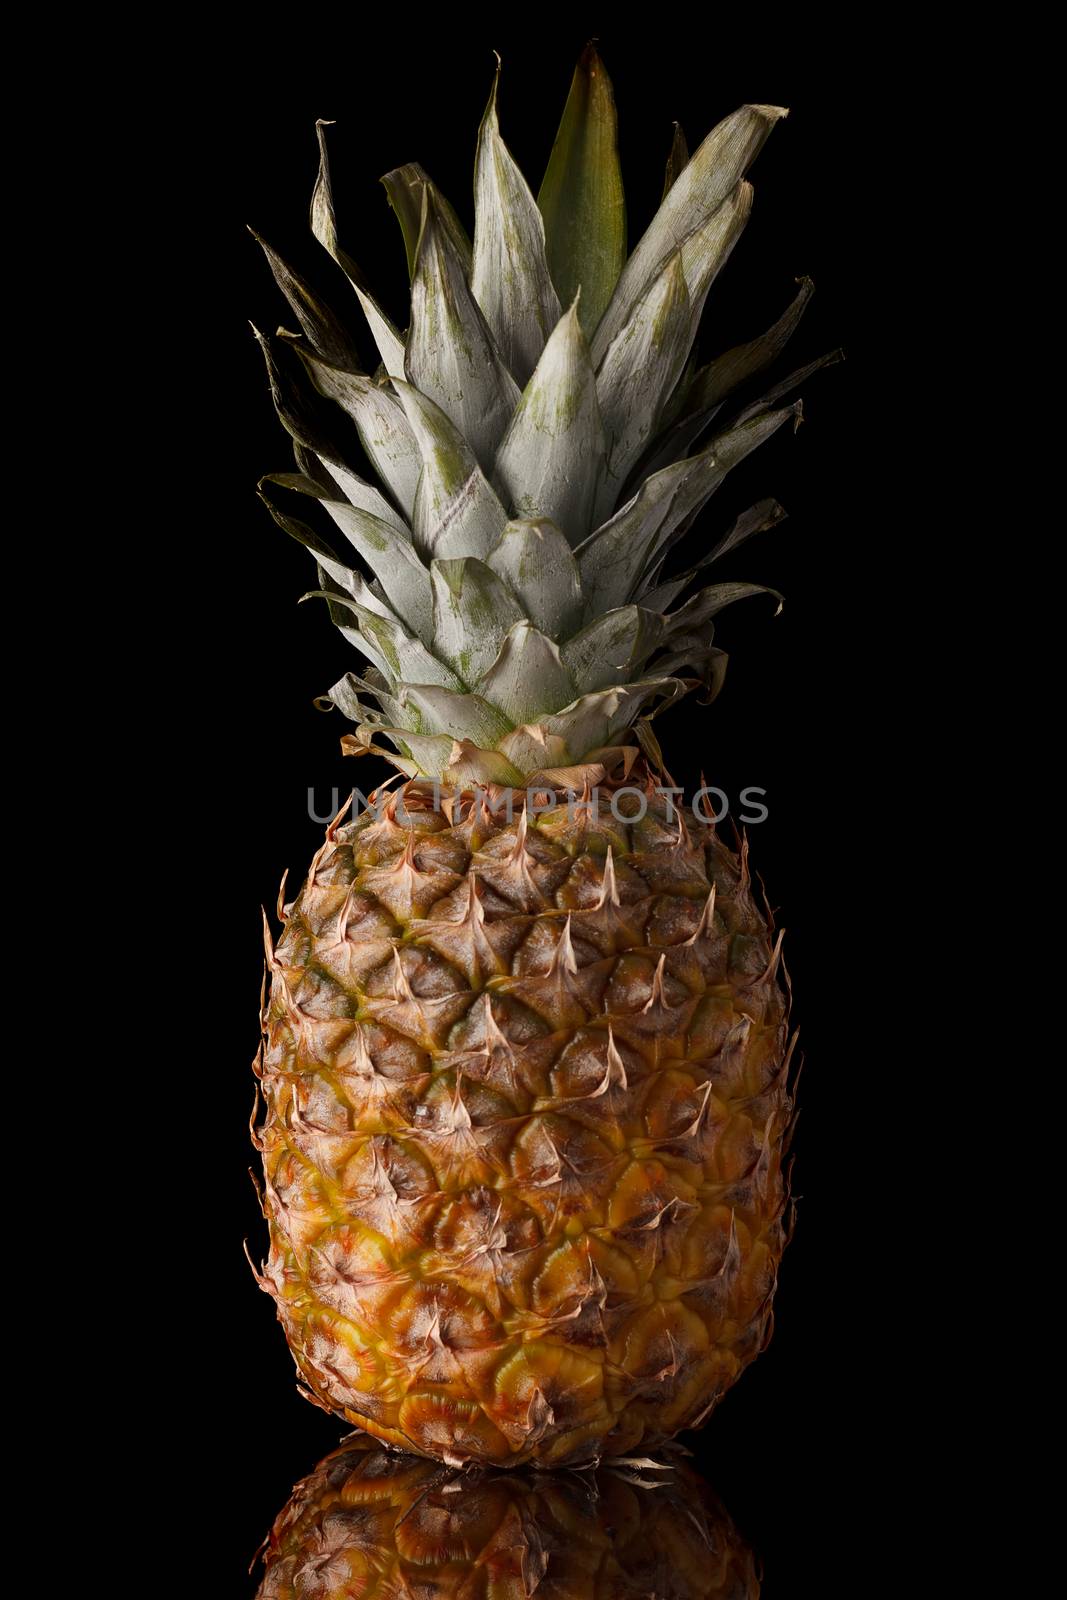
point(533, 434)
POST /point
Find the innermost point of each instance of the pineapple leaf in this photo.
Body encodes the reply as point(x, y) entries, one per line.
point(614, 558)
point(509, 277)
point(392, 559)
point(361, 494)
point(693, 617)
point(582, 198)
point(639, 372)
point(528, 676)
point(395, 652)
point(714, 382)
point(766, 514)
point(302, 412)
point(323, 215)
point(451, 354)
point(380, 422)
point(676, 161)
point(614, 648)
point(455, 712)
point(324, 227)
point(348, 581)
point(472, 612)
point(791, 381)
point(538, 566)
point(594, 719)
point(550, 462)
point(404, 186)
point(324, 330)
point(701, 188)
point(456, 513)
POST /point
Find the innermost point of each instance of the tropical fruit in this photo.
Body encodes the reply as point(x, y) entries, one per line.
point(525, 1065)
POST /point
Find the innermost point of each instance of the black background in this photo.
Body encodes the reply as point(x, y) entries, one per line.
point(795, 1449)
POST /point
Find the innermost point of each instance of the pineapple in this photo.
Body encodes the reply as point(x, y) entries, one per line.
point(525, 1069)
point(370, 1523)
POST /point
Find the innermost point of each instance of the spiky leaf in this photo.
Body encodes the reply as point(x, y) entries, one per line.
point(614, 558)
point(766, 514)
point(404, 187)
point(392, 559)
point(710, 176)
point(509, 277)
point(451, 354)
point(581, 198)
point(639, 372)
point(456, 512)
point(323, 328)
point(383, 428)
point(551, 459)
point(715, 381)
point(676, 161)
point(362, 494)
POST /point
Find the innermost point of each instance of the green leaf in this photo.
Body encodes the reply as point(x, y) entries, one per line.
point(510, 278)
point(538, 566)
point(456, 513)
point(451, 354)
point(404, 186)
point(528, 677)
point(582, 199)
point(613, 649)
point(551, 460)
point(678, 158)
point(472, 612)
point(702, 186)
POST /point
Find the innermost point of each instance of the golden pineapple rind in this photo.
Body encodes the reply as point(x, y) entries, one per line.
point(526, 1104)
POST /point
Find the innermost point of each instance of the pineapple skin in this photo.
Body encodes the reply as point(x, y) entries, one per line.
point(527, 1102)
point(370, 1523)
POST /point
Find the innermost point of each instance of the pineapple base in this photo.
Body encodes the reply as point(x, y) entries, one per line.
point(526, 1091)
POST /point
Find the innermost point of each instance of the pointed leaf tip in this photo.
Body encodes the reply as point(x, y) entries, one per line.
point(582, 198)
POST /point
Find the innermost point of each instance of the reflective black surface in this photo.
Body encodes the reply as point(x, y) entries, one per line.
point(370, 1522)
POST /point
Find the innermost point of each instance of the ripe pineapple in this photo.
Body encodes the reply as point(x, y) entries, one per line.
point(369, 1523)
point(525, 1063)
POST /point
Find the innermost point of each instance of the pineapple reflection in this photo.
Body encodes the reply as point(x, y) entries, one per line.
point(381, 1526)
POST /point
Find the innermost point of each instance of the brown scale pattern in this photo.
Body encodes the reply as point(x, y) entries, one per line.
point(388, 1528)
point(527, 1099)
